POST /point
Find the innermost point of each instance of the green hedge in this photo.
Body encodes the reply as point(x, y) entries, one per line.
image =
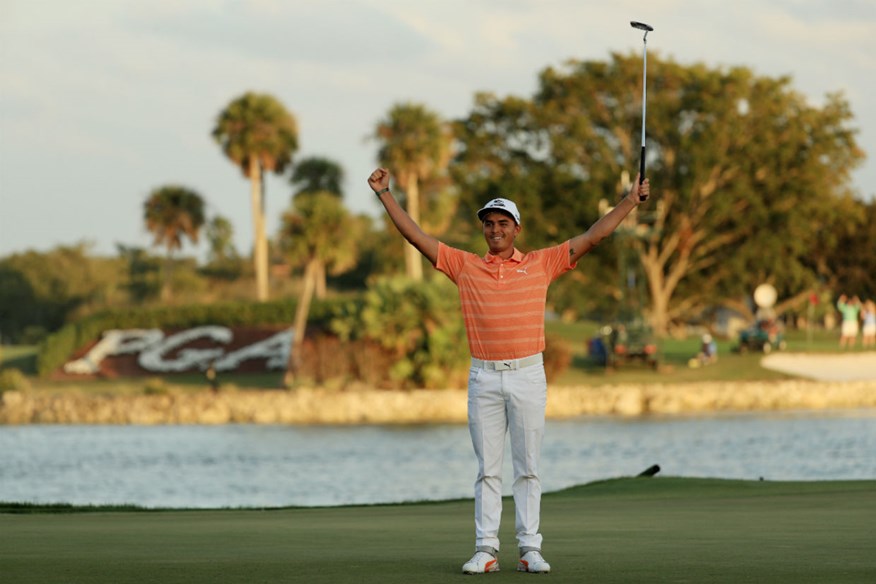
point(59, 346)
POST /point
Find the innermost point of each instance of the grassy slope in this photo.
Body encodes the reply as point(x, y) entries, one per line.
point(627, 530)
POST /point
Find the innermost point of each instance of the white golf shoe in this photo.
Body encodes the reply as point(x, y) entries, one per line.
point(533, 562)
point(481, 563)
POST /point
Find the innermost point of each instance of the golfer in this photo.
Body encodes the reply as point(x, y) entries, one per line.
point(503, 303)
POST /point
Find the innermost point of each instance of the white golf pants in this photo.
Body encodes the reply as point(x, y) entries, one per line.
point(498, 401)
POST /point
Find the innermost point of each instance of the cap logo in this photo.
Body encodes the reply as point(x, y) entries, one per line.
point(503, 205)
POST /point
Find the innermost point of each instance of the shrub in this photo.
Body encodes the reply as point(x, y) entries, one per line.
point(13, 380)
point(417, 324)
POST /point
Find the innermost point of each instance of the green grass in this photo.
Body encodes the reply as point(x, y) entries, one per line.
point(625, 530)
point(674, 357)
point(21, 357)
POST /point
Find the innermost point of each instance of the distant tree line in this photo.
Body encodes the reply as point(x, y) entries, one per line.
point(751, 184)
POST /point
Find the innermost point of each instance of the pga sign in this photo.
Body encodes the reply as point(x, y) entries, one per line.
point(160, 353)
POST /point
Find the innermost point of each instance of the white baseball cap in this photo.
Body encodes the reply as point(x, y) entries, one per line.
point(503, 206)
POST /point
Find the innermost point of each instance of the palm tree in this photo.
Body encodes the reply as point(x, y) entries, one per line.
point(415, 145)
point(313, 175)
point(171, 213)
point(258, 134)
point(316, 174)
point(317, 231)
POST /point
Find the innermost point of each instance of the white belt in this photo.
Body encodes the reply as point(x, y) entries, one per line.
point(506, 364)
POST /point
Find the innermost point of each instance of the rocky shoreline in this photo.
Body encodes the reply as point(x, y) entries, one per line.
point(322, 406)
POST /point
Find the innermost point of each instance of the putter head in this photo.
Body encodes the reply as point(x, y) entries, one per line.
point(641, 26)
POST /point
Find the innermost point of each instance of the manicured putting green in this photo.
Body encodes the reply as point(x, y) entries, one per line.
point(624, 530)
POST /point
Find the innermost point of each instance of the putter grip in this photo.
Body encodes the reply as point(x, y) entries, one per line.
point(642, 171)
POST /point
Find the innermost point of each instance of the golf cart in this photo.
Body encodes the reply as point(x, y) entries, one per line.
point(763, 336)
point(622, 343)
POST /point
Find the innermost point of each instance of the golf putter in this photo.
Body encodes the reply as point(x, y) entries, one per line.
point(647, 28)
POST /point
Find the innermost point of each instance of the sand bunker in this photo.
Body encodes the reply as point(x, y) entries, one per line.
point(825, 367)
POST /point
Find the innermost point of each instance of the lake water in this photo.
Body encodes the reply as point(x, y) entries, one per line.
point(254, 466)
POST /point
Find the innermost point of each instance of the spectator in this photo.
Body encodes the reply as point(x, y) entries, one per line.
point(849, 309)
point(868, 316)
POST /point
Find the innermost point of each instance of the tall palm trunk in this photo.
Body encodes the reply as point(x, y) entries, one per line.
point(320, 281)
point(413, 260)
point(310, 276)
point(260, 252)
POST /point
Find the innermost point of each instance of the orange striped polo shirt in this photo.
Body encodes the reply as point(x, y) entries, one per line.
point(503, 301)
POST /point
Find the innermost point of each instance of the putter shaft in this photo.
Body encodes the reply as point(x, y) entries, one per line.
point(647, 28)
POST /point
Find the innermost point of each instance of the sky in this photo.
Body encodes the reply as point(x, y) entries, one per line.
point(102, 101)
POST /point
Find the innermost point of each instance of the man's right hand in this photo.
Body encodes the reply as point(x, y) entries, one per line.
point(379, 179)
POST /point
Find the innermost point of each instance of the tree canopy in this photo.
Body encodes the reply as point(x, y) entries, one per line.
point(317, 174)
point(39, 291)
point(743, 170)
point(257, 128)
point(171, 213)
point(258, 134)
point(415, 146)
point(750, 184)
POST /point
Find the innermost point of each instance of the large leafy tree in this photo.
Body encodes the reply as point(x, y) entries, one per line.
point(845, 257)
point(257, 134)
point(318, 233)
point(742, 169)
point(172, 213)
point(415, 146)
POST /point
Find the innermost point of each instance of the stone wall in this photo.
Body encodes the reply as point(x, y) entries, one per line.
point(320, 406)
